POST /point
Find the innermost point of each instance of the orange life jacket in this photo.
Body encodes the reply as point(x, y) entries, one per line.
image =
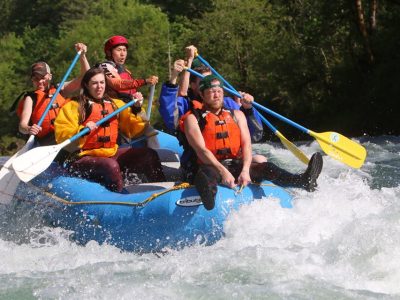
point(105, 136)
point(40, 101)
point(196, 104)
point(221, 132)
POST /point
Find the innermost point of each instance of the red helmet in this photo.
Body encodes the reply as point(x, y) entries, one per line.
point(115, 41)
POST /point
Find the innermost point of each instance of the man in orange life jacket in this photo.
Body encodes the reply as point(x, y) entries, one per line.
point(121, 84)
point(31, 108)
point(221, 141)
point(119, 79)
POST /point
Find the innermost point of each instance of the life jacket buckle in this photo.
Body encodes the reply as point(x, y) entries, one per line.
point(224, 151)
point(103, 139)
point(222, 135)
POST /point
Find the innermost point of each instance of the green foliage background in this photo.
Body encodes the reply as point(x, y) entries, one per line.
point(304, 59)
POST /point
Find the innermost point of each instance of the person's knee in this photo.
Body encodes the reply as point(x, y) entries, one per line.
point(110, 166)
point(257, 158)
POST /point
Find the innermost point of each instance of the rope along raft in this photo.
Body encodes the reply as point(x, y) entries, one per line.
point(183, 185)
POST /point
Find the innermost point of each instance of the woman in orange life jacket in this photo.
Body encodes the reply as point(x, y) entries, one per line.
point(121, 84)
point(221, 141)
point(98, 156)
point(34, 104)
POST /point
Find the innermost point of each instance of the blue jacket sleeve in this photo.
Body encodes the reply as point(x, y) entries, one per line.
point(252, 117)
point(171, 107)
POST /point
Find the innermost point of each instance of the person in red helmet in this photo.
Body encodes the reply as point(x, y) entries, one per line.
point(122, 85)
point(120, 80)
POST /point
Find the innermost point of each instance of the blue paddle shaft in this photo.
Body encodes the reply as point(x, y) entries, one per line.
point(59, 88)
point(233, 92)
point(86, 130)
point(266, 122)
point(280, 117)
point(216, 73)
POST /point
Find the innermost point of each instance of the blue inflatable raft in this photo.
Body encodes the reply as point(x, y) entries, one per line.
point(146, 217)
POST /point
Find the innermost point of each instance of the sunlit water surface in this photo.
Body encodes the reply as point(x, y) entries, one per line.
point(340, 242)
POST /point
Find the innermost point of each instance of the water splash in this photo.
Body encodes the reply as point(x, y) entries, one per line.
point(341, 241)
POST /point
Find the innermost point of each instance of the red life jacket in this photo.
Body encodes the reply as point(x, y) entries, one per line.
point(105, 136)
point(40, 101)
point(125, 74)
point(221, 132)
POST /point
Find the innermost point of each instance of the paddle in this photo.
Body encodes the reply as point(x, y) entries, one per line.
point(35, 161)
point(289, 145)
point(8, 179)
point(216, 73)
point(332, 143)
point(150, 104)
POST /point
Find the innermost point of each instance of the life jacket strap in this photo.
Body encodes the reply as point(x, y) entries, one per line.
point(224, 151)
point(103, 139)
point(105, 124)
point(222, 135)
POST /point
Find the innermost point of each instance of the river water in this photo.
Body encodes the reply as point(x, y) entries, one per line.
point(342, 242)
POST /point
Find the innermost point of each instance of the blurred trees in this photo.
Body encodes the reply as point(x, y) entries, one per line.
point(330, 65)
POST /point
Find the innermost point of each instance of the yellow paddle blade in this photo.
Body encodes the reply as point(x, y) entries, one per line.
point(341, 148)
point(292, 148)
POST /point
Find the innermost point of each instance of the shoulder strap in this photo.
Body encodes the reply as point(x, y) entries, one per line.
point(33, 95)
point(120, 69)
point(24, 94)
point(15, 102)
point(200, 117)
point(231, 111)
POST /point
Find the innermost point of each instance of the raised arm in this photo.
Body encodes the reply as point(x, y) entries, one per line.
point(74, 85)
point(184, 82)
point(172, 107)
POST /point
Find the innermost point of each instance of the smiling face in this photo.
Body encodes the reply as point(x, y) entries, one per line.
point(119, 54)
point(97, 86)
point(41, 82)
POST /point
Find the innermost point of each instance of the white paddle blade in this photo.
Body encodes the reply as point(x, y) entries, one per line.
point(8, 182)
point(8, 179)
point(35, 161)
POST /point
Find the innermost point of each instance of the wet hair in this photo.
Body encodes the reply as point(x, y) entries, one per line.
point(85, 97)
